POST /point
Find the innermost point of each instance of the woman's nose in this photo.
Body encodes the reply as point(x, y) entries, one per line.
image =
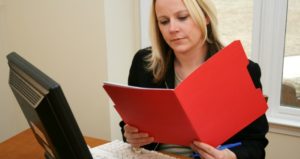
point(173, 27)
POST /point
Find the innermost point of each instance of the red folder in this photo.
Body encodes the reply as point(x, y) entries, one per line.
point(211, 105)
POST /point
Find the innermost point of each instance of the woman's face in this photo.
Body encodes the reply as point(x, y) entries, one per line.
point(179, 30)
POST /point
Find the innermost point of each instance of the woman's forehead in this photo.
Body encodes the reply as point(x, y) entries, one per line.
point(169, 6)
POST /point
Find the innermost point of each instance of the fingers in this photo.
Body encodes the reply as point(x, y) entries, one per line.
point(202, 153)
point(136, 138)
point(209, 152)
point(206, 151)
point(205, 147)
point(140, 142)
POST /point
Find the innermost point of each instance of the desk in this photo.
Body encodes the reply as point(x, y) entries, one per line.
point(24, 146)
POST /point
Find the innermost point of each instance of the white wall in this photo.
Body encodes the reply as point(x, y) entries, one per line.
point(79, 44)
point(11, 119)
point(66, 39)
point(122, 32)
point(284, 142)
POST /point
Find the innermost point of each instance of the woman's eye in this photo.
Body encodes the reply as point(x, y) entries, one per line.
point(182, 18)
point(164, 22)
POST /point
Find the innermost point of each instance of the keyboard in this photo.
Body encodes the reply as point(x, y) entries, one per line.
point(120, 150)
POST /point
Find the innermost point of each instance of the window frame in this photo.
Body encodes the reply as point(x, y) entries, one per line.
point(269, 47)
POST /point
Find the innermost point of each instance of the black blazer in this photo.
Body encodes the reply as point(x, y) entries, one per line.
point(253, 137)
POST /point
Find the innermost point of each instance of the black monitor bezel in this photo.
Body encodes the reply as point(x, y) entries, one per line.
point(53, 115)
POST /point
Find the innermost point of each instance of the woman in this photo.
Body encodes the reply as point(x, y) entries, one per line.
point(183, 36)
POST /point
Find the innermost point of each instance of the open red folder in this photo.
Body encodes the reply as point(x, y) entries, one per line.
point(211, 105)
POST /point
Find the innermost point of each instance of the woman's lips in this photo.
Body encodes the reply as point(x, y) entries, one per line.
point(177, 39)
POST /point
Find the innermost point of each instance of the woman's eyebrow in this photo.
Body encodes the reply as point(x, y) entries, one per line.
point(176, 13)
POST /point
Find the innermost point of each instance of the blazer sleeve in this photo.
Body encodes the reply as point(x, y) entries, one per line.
point(253, 137)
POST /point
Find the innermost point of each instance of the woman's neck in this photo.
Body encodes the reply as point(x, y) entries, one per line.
point(185, 63)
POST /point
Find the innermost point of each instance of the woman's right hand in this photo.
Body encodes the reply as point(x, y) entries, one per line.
point(136, 138)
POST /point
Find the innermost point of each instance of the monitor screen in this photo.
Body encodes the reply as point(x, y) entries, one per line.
point(46, 110)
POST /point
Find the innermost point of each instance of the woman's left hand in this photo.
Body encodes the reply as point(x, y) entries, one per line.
point(208, 152)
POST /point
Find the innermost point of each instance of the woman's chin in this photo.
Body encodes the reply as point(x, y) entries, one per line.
point(180, 49)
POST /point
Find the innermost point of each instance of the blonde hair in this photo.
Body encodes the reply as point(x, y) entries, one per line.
point(200, 11)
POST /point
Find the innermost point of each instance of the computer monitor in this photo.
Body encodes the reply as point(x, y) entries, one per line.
point(46, 110)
